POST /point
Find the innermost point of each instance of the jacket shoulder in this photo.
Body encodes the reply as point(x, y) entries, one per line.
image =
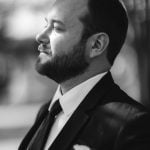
point(116, 110)
point(119, 106)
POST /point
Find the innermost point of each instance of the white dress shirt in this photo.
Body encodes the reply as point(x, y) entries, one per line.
point(69, 103)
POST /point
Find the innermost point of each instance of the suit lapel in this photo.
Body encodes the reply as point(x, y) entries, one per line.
point(81, 116)
point(69, 132)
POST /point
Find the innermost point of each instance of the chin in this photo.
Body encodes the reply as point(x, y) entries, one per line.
point(40, 65)
point(44, 58)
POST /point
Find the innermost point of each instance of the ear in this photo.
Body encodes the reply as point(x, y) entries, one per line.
point(99, 43)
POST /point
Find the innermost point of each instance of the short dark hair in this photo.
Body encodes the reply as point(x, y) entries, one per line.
point(107, 16)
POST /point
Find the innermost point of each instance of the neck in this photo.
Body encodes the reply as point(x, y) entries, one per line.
point(69, 84)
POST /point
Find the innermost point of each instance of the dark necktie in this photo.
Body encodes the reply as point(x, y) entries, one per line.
point(40, 138)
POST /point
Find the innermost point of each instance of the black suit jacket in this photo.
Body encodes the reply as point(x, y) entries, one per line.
point(107, 119)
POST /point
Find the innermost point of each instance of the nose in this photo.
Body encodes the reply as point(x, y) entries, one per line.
point(43, 38)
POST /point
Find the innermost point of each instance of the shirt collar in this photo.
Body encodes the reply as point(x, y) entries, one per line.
point(71, 100)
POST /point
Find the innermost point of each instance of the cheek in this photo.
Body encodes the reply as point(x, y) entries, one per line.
point(63, 43)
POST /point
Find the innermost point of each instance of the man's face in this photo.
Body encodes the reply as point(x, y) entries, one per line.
point(62, 50)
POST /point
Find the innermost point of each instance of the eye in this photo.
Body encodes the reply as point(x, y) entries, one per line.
point(57, 28)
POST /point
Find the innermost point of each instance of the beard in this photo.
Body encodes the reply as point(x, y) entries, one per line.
point(63, 67)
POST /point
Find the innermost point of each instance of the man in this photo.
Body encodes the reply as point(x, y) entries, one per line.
point(77, 49)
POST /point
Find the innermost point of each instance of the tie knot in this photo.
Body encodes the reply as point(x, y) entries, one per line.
point(56, 108)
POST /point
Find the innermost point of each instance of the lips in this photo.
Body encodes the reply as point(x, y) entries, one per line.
point(44, 49)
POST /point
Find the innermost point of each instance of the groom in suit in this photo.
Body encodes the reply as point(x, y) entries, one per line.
point(77, 48)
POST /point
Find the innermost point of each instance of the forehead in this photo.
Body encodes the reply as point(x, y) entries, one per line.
point(68, 9)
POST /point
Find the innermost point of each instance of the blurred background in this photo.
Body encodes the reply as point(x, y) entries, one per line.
point(23, 90)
